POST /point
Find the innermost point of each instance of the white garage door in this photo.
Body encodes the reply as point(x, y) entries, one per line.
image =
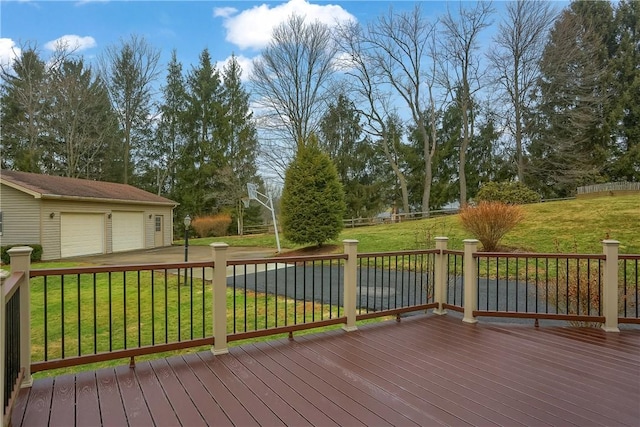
point(81, 234)
point(127, 230)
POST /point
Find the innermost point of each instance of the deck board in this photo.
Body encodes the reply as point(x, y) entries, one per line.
point(425, 370)
point(206, 404)
point(63, 402)
point(133, 400)
point(112, 410)
point(87, 404)
point(306, 408)
point(160, 407)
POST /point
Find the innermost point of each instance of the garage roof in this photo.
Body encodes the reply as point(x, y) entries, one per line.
point(59, 187)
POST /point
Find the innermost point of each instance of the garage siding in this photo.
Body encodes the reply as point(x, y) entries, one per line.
point(20, 217)
point(34, 216)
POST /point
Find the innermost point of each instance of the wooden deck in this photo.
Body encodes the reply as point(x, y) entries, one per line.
point(426, 370)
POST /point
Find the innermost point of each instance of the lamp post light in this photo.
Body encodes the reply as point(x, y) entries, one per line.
point(187, 223)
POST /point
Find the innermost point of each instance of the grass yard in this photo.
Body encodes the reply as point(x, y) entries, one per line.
point(563, 226)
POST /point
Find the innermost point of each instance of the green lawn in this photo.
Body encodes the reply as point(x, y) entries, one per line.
point(564, 226)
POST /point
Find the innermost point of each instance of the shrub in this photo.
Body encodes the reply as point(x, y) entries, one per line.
point(490, 221)
point(514, 193)
point(211, 226)
point(312, 198)
point(36, 254)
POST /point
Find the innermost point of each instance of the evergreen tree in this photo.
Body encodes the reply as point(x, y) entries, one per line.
point(625, 112)
point(241, 150)
point(312, 202)
point(169, 140)
point(203, 154)
point(26, 104)
point(83, 124)
point(353, 156)
point(573, 130)
point(129, 70)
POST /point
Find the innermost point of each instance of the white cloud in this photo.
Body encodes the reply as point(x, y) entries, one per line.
point(8, 52)
point(246, 64)
point(72, 42)
point(252, 28)
point(224, 12)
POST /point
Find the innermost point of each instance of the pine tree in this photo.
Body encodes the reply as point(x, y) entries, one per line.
point(312, 202)
point(353, 156)
point(129, 70)
point(26, 143)
point(169, 138)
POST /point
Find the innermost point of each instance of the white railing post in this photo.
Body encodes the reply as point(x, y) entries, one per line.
point(21, 261)
point(610, 286)
point(219, 289)
point(441, 273)
point(470, 281)
point(350, 280)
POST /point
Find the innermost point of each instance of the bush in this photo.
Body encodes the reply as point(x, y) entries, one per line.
point(490, 221)
point(36, 254)
point(513, 193)
point(312, 198)
point(211, 226)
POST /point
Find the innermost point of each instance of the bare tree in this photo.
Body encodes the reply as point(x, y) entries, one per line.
point(465, 72)
point(403, 49)
point(520, 41)
point(373, 101)
point(129, 70)
point(291, 85)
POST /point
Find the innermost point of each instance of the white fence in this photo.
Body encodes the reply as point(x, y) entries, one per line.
point(609, 186)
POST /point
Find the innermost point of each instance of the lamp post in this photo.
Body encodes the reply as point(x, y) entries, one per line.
point(187, 223)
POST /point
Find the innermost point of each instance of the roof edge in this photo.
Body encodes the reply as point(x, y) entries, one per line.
point(35, 194)
point(106, 200)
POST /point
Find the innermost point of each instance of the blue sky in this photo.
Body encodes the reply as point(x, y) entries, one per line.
point(224, 27)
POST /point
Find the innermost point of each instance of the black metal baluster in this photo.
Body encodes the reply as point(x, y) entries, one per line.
point(191, 302)
point(166, 306)
point(124, 307)
point(179, 290)
point(204, 301)
point(79, 318)
point(276, 294)
point(266, 298)
point(95, 316)
point(546, 285)
point(255, 297)
point(506, 285)
point(295, 293)
point(62, 313)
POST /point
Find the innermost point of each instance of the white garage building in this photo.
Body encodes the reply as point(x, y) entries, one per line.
point(72, 217)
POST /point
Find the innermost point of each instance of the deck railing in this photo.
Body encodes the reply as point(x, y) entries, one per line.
point(392, 283)
point(91, 314)
point(629, 288)
point(540, 286)
point(14, 331)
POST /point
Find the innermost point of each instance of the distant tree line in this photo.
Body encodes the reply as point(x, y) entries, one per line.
point(415, 112)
